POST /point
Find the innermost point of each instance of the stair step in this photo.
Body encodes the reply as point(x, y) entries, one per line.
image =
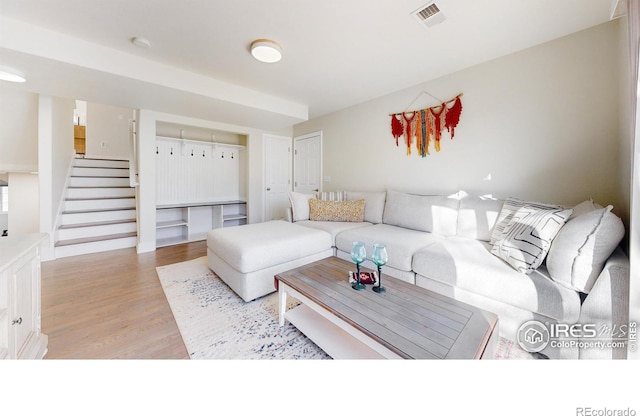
point(95, 229)
point(114, 243)
point(90, 171)
point(95, 182)
point(99, 211)
point(83, 217)
point(106, 163)
point(98, 204)
point(97, 192)
point(95, 239)
point(95, 224)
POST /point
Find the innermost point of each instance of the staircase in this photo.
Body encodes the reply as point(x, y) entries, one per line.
point(99, 211)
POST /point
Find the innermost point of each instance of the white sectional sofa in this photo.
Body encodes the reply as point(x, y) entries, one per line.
point(447, 243)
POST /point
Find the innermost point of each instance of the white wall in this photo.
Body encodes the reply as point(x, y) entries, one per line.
point(23, 203)
point(542, 122)
point(55, 156)
point(107, 133)
point(625, 150)
point(19, 132)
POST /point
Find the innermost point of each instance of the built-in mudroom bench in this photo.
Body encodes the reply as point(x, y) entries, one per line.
point(182, 223)
point(199, 187)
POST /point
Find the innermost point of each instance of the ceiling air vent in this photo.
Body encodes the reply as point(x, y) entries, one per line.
point(429, 15)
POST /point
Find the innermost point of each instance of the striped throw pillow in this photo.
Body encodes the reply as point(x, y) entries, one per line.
point(525, 240)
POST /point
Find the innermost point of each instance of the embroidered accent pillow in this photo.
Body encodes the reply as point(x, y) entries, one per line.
point(525, 240)
point(345, 211)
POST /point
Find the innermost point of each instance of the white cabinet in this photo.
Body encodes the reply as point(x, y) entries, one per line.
point(20, 298)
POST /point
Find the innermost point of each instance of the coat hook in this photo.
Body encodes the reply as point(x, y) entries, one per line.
point(232, 155)
point(203, 153)
point(223, 155)
point(172, 150)
point(191, 152)
point(157, 150)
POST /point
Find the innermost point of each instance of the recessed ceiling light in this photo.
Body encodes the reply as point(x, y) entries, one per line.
point(11, 75)
point(141, 42)
point(265, 50)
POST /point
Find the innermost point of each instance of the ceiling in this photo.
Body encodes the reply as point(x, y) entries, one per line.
point(337, 53)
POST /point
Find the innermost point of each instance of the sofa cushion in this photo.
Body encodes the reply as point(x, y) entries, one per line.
point(432, 213)
point(526, 239)
point(300, 205)
point(252, 247)
point(477, 216)
point(345, 211)
point(582, 246)
point(374, 204)
point(333, 227)
point(401, 242)
point(469, 265)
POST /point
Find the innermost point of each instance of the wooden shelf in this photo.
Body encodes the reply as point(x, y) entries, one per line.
point(200, 204)
point(235, 217)
point(334, 340)
point(168, 224)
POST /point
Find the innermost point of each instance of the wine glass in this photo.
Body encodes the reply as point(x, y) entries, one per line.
point(379, 257)
point(358, 255)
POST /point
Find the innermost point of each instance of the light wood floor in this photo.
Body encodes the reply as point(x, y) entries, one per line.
point(111, 305)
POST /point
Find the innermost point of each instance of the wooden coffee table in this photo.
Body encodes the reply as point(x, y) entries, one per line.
point(406, 321)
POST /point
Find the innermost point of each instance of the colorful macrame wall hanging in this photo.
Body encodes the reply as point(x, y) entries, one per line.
point(421, 126)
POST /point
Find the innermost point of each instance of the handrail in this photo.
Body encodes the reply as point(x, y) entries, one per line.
point(133, 154)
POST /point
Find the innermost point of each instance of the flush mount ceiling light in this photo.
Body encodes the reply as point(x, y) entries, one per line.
point(11, 75)
point(141, 42)
point(265, 50)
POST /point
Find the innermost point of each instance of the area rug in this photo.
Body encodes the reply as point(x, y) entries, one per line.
point(215, 323)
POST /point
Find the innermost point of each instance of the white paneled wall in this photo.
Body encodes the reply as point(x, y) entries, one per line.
point(189, 171)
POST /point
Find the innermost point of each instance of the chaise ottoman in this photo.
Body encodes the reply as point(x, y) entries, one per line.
point(247, 257)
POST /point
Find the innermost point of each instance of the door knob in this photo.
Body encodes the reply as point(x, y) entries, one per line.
point(268, 189)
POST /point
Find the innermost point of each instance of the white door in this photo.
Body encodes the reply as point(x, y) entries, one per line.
point(307, 177)
point(277, 176)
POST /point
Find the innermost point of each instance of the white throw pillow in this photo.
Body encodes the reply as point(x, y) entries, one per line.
point(374, 204)
point(584, 207)
point(525, 240)
point(332, 196)
point(582, 246)
point(300, 205)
